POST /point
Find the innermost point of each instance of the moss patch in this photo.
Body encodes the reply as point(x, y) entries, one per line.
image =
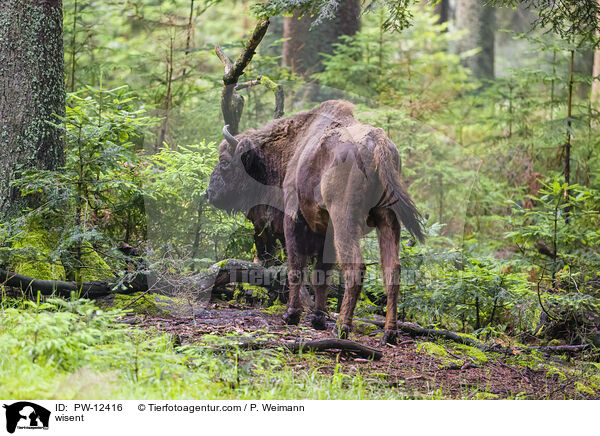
point(475, 354)
point(94, 267)
point(583, 388)
point(277, 308)
point(36, 245)
point(254, 291)
point(432, 349)
point(485, 396)
point(35, 257)
point(146, 305)
point(365, 328)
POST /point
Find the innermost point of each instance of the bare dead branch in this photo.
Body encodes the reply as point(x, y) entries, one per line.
point(416, 330)
point(232, 104)
point(567, 349)
point(224, 59)
point(248, 84)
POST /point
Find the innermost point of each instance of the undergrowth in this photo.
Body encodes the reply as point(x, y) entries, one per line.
point(73, 350)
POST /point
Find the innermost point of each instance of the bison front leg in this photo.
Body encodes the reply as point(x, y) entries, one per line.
point(296, 268)
point(388, 233)
point(320, 282)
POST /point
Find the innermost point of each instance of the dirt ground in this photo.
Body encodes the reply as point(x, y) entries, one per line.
point(419, 368)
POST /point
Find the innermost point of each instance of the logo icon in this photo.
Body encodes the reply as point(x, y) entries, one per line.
point(26, 415)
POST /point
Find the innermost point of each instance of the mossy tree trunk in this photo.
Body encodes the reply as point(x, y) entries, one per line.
point(480, 22)
point(32, 92)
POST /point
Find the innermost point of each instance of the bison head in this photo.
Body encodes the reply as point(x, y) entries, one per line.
point(240, 179)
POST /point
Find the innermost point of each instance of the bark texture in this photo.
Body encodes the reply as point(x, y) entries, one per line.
point(480, 22)
point(32, 92)
point(303, 45)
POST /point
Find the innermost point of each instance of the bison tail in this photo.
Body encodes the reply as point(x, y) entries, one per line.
point(395, 196)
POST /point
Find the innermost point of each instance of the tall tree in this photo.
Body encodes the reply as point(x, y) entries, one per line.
point(596, 75)
point(596, 82)
point(305, 38)
point(32, 92)
point(480, 22)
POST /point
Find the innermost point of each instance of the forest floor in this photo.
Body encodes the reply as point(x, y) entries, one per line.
point(416, 368)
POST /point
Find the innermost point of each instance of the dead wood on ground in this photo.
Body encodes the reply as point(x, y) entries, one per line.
point(333, 344)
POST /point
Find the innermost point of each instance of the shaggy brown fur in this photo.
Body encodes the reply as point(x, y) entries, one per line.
point(340, 180)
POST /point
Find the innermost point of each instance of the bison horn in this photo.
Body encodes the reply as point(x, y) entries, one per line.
point(229, 137)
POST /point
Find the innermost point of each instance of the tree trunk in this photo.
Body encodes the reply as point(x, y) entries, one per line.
point(595, 98)
point(480, 22)
point(442, 10)
point(303, 45)
point(596, 82)
point(32, 92)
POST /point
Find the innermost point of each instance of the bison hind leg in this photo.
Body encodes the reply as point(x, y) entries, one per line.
point(292, 316)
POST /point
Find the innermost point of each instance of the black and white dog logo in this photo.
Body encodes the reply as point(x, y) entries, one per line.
point(26, 415)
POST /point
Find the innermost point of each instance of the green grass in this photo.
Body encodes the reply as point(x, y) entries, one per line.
point(73, 350)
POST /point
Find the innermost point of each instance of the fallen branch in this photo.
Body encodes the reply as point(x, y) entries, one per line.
point(248, 84)
point(276, 89)
point(558, 349)
point(415, 330)
point(343, 345)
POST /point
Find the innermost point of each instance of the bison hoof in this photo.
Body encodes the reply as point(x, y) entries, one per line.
point(389, 337)
point(318, 320)
point(292, 316)
point(343, 331)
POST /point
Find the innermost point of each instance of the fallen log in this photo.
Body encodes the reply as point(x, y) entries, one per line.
point(242, 271)
point(216, 277)
point(91, 289)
